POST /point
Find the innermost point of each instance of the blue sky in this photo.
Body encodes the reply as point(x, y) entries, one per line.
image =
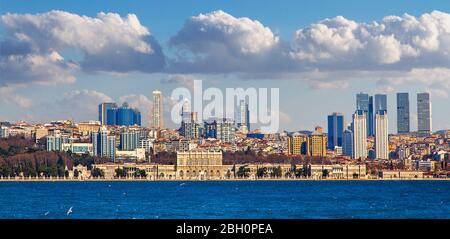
point(332, 90)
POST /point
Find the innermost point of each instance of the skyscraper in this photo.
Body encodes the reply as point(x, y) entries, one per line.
point(381, 135)
point(380, 102)
point(244, 115)
point(157, 111)
point(403, 113)
point(359, 135)
point(364, 102)
point(186, 112)
point(223, 129)
point(124, 115)
point(424, 119)
point(103, 112)
point(335, 130)
point(298, 144)
point(347, 142)
point(129, 139)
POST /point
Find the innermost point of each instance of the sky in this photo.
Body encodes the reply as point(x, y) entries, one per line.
point(60, 59)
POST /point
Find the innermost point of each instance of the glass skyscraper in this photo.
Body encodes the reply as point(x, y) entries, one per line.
point(424, 118)
point(244, 115)
point(403, 113)
point(364, 102)
point(103, 112)
point(335, 130)
point(380, 102)
point(124, 116)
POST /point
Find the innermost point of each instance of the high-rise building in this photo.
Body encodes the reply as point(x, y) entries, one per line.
point(298, 144)
point(335, 130)
point(347, 142)
point(424, 118)
point(381, 135)
point(403, 113)
point(364, 102)
point(103, 112)
point(54, 142)
point(223, 129)
point(95, 146)
point(103, 144)
point(111, 147)
point(244, 115)
point(157, 111)
point(359, 135)
point(318, 144)
point(124, 115)
point(129, 139)
point(186, 112)
point(380, 102)
point(4, 132)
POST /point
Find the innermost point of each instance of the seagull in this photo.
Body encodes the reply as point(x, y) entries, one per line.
point(69, 211)
point(48, 212)
point(181, 184)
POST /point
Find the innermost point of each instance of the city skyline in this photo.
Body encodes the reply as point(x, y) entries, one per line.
point(89, 75)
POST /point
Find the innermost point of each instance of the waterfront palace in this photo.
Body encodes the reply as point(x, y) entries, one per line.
point(207, 165)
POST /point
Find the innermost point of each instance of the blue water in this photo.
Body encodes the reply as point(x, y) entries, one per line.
point(235, 199)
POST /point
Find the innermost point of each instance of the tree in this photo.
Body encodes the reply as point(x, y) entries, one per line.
point(96, 172)
point(325, 173)
point(120, 172)
point(276, 172)
point(140, 173)
point(243, 172)
point(261, 172)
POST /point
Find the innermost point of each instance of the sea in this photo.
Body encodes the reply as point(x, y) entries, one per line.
point(417, 199)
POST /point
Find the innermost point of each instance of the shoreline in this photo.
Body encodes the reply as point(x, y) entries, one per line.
point(215, 180)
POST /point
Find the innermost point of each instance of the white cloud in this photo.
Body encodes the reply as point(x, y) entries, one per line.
point(141, 102)
point(404, 41)
point(8, 96)
point(33, 46)
point(181, 80)
point(220, 42)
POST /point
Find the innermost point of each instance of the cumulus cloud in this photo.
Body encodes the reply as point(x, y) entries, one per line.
point(403, 42)
point(220, 42)
point(33, 45)
point(141, 102)
point(84, 103)
point(8, 96)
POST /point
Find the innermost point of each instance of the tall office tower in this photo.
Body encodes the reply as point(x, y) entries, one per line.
point(123, 115)
point(157, 111)
point(364, 102)
point(102, 142)
point(298, 144)
point(335, 130)
point(318, 144)
point(111, 147)
point(244, 115)
point(103, 112)
point(186, 112)
point(4, 132)
point(402, 113)
point(381, 135)
point(54, 142)
point(424, 119)
point(380, 102)
point(223, 129)
point(347, 142)
point(95, 146)
point(127, 116)
point(129, 139)
point(359, 135)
